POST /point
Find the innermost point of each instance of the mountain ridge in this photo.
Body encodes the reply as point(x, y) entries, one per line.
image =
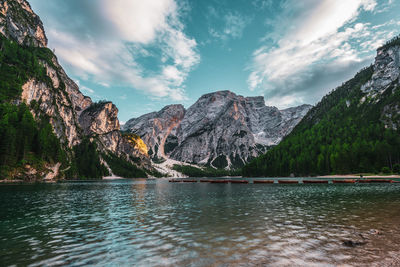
point(221, 129)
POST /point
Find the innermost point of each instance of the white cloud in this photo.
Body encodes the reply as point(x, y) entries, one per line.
point(324, 34)
point(112, 56)
point(327, 17)
point(285, 101)
point(138, 21)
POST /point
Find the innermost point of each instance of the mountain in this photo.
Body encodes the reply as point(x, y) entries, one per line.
point(37, 94)
point(353, 129)
point(221, 129)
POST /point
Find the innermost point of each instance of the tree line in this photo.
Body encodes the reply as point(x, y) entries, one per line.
point(344, 133)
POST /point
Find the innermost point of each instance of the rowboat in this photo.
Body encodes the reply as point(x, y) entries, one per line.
point(219, 181)
point(343, 181)
point(238, 181)
point(263, 181)
point(315, 181)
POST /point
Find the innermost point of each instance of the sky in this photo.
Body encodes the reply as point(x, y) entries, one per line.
point(143, 55)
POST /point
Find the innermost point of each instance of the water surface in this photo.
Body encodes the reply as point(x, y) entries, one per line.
point(156, 223)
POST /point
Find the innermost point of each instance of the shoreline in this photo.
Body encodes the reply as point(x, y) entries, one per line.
point(353, 176)
point(111, 178)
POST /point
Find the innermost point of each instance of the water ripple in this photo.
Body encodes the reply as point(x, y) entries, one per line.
point(147, 223)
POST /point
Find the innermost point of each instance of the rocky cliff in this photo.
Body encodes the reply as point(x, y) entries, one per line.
point(72, 115)
point(155, 127)
point(100, 122)
point(221, 129)
point(386, 71)
point(384, 78)
point(61, 99)
point(20, 23)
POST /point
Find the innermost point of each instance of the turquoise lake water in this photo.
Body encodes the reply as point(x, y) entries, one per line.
point(156, 223)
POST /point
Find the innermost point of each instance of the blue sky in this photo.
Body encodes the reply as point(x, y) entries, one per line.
point(143, 55)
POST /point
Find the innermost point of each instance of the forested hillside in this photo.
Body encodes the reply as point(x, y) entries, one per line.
point(23, 140)
point(40, 134)
point(353, 129)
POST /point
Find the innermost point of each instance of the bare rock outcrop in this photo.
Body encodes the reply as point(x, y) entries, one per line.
point(20, 23)
point(384, 78)
point(99, 118)
point(155, 127)
point(386, 71)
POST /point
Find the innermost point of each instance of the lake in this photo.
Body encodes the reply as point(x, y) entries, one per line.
point(156, 223)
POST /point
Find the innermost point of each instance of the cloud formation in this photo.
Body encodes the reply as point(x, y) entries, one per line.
point(113, 50)
point(323, 44)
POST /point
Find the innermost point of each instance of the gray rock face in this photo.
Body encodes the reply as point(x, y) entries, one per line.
point(386, 71)
point(155, 127)
point(99, 118)
point(100, 122)
point(62, 104)
point(221, 129)
point(386, 76)
point(20, 23)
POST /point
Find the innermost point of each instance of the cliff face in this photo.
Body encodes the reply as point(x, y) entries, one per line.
point(221, 129)
point(155, 127)
point(72, 115)
point(385, 76)
point(99, 119)
point(386, 71)
point(20, 23)
point(61, 101)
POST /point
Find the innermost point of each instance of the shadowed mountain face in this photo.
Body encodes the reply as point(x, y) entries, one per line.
point(221, 129)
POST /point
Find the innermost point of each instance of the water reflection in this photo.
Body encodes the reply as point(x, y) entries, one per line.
point(159, 223)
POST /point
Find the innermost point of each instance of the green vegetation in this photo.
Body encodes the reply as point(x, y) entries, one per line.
point(86, 163)
point(205, 172)
point(23, 140)
point(17, 65)
point(386, 170)
point(122, 167)
point(220, 162)
point(96, 105)
point(340, 135)
point(396, 168)
point(394, 41)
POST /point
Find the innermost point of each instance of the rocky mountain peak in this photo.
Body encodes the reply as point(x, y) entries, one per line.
point(220, 129)
point(155, 127)
point(172, 110)
point(99, 118)
point(19, 23)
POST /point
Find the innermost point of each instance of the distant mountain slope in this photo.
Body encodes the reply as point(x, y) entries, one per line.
point(353, 129)
point(221, 129)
